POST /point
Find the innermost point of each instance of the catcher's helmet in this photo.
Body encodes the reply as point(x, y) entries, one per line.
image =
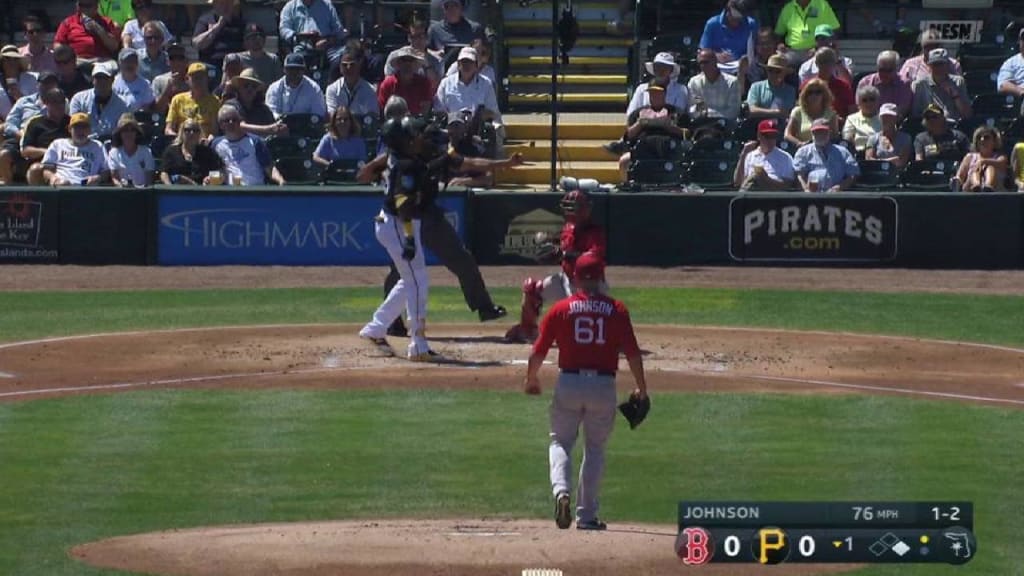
point(576, 206)
point(397, 133)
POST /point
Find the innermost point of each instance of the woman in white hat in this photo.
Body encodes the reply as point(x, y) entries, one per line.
point(17, 80)
point(662, 67)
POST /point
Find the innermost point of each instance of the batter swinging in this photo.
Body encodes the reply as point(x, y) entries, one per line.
point(590, 330)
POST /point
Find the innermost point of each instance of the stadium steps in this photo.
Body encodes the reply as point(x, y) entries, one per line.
point(580, 140)
point(595, 78)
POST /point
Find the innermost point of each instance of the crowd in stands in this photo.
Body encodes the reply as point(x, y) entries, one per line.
point(782, 108)
point(116, 99)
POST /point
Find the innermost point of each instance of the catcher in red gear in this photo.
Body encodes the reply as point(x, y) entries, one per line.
point(579, 235)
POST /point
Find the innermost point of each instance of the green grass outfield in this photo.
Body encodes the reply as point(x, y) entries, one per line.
point(77, 469)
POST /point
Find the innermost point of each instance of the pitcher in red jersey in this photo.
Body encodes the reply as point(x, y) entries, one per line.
point(579, 234)
point(590, 329)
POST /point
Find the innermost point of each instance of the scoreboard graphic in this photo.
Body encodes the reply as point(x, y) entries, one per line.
point(826, 532)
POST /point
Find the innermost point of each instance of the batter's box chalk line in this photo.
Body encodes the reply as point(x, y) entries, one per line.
point(542, 572)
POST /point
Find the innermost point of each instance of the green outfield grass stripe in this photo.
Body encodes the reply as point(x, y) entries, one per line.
point(978, 318)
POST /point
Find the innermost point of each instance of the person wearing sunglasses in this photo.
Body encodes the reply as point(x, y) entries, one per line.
point(41, 131)
point(76, 161)
point(245, 156)
point(26, 108)
point(865, 122)
point(825, 37)
point(984, 168)
point(891, 88)
point(945, 90)
point(257, 118)
point(416, 34)
point(843, 101)
point(90, 34)
point(730, 34)
point(35, 49)
point(772, 97)
point(815, 102)
point(153, 57)
point(187, 160)
point(173, 82)
point(70, 78)
point(265, 65)
point(713, 93)
point(134, 36)
point(351, 90)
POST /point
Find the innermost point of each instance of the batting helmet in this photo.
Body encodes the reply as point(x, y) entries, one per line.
point(576, 206)
point(397, 133)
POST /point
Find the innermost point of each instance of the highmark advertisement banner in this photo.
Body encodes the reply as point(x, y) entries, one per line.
point(287, 230)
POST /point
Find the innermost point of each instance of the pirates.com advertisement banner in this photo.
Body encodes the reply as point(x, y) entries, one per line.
point(812, 228)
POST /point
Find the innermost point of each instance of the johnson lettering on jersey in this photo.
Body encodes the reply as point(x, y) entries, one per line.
point(590, 331)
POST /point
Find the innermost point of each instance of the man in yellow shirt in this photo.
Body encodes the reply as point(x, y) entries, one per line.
point(197, 103)
point(798, 20)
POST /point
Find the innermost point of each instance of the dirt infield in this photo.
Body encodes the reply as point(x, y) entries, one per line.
point(331, 356)
point(407, 548)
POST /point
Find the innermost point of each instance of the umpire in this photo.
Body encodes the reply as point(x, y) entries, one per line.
point(440, 237)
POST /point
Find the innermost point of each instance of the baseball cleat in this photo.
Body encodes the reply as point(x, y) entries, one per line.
point(519, 335)
point(381, 344)
point(428, 356)
point(398, 329)
point(492, 312)
point(594, 524)
point(563, 514)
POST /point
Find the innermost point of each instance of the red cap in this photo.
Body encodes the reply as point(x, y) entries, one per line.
point(589, 266)
point(767, 127)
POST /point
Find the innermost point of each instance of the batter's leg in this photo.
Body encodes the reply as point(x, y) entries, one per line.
point(441, 238)
point(414, 273)
point(397, 328)
point(566, 414)
point(598, 422)
point(395, 301)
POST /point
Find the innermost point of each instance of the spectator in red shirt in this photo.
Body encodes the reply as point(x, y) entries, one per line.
point(91, 35)
point(417, 90)
point(842, 93)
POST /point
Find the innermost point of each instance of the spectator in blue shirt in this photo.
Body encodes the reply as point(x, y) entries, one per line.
point(822, 166)
point(772, 98)
point(342, 141)
point(1011, 73)
point(299, 17)
point(731, 36)
point(103, 107)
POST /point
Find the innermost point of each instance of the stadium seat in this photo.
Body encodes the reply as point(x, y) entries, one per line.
point(912, 126)
point(341, 172)
point(711, 174)
point(984, 56)
point(928, 176)
point(301, 171)
point(157, 146)
point(658, 148)
point(980, 81)
point(655, 172)
point(714, 149)
point(877, 176)
point(292, 146)
point(308, 125)
point(746, 130)
point(974, 122)
point(151, 123)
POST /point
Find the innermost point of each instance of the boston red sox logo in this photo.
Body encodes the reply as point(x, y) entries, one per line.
point(695, 546)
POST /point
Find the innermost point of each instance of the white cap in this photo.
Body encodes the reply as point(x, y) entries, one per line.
point(468, 53)
point(888, 109)
point(663, 58)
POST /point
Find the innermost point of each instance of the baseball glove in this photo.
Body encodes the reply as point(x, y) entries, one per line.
point(547, 253)
point(635, 409)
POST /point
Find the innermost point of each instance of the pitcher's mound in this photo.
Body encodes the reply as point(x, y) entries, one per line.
point(407, 547)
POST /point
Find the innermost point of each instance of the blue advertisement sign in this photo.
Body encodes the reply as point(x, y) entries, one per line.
point(288, 230)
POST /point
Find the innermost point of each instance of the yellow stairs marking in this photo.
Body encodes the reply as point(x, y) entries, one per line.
point(568, 79)
point(573, 60)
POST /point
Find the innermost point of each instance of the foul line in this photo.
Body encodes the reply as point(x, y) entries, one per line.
point(884, 389)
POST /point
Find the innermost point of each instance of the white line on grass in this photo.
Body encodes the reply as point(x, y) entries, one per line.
point(885, 389)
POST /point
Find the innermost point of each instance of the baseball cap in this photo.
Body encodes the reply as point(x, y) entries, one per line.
point(888, 109)
point(79, 118)
point(294, 61)
point(127, 53)
point(54, 95)
point(589, 266)
point(108, 69)
point(253, 29)
point(1020, 35)
point(233, 58)
point(820, 124)
point(932, 111)
point(468, 53)
point(447, 2)
point(767, 127)
point(656, 85)
point(824, 30)
point(938, 55)
point(176, 48)
point(196, 68)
